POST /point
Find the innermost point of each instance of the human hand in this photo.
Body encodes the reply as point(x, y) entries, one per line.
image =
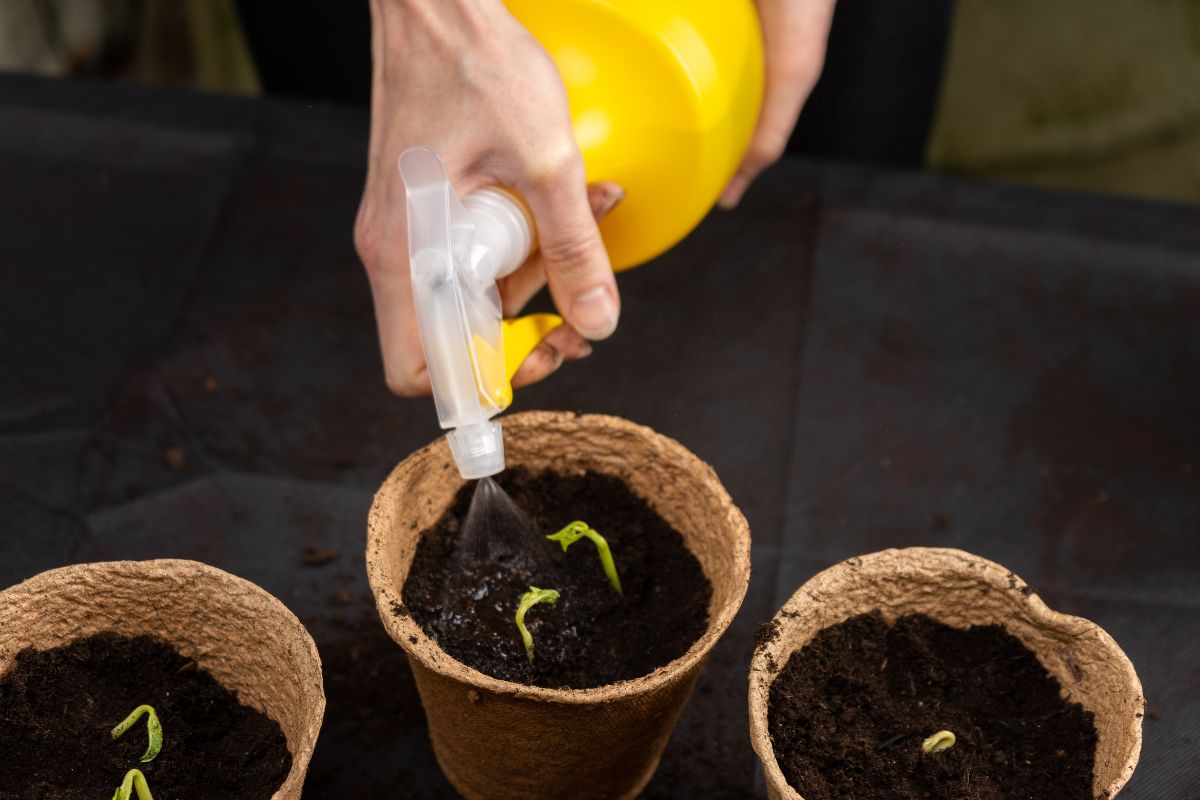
point(465, 78)
point(794, 37)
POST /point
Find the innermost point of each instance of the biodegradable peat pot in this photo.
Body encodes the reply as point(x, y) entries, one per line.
point(241, 635)
point(498, 739)
point(960, 590)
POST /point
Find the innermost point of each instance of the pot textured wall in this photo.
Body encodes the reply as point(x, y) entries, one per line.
point(960, 589)
point(243, 636)
point(498, 739)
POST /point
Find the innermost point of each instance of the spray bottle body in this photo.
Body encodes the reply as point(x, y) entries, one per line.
point(457, 252)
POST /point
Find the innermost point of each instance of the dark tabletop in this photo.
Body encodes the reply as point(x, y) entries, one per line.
point(188, 368)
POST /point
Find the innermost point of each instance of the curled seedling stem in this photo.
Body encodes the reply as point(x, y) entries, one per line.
point(153, 726)
point(579, 530)
point(528, 601)
point(134, 781)
point(942, 740)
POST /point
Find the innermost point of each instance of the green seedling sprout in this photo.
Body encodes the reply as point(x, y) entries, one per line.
point(942, 740)
point(153, 726)
point(134, 781)
point(579, 530)
point(528, 601)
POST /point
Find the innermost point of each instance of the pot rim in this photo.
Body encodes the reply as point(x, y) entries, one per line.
point(410, 636)
point(997, 576)
point(37, 585)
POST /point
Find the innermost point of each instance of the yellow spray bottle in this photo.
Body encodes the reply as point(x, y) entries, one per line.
point(664, 97)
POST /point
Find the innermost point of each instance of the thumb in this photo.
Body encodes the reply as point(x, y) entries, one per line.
point(519, 288)
point(577, 267)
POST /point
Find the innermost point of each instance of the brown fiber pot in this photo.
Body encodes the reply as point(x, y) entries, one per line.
point(960, 589)
point(498, 739)
point(234, 630)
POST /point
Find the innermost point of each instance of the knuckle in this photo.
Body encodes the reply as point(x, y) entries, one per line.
point(404, 370)
point(548, 358)
point(368, 238)
point(556, 163)
point(539, 364)
point(572, 254)
point(404, 385)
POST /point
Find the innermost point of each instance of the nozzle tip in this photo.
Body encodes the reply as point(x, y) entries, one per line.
point(478, 449)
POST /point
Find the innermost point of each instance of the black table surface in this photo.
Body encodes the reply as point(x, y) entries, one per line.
point(188, 368)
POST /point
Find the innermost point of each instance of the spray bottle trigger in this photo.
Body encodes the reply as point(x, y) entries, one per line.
point(522, 335)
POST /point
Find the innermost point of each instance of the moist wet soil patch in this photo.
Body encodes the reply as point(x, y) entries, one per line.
point(464, 594)
point(58, 707)
point(848, 713)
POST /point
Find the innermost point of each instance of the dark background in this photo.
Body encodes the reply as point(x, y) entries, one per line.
point(188, 367)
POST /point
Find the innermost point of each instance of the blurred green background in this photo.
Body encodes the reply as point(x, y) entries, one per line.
point(1099, 95)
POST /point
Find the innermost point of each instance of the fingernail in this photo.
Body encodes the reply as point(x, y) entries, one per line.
point(733, 193)
point(594, 314)
point(616, 196)
point(585, 351)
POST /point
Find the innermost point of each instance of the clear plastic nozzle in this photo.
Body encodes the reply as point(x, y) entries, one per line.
point(457, 252)
point(478, 449)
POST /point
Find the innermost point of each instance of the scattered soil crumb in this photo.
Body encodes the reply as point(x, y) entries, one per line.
point(320, 556)
point(175, 459)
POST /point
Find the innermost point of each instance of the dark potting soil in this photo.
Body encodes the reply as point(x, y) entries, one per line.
point(58, 707)
point(849, 711)
point(592, 636)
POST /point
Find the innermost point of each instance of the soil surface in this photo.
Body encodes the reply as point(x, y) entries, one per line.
point(465, 594)
point(58, 707)
point(849, 711)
